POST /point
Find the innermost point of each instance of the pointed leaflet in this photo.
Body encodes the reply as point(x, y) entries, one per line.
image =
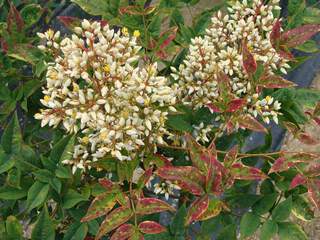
point(152, 205)
point(197, 209)
point(299, 179)
point(243, 172)
point(165, 39)
point(44, 227)
point(15, 18)
point(275, 82)
point(151, 227)
point(100, 206)
point(235, 105)
point(214, 208)
point(123, 232)
point(276, 34)
point(250, 123)
point(299, 35)
point(314, 191)
point(249, 63)
point(136, 10)
point(281, 164)
point(109, 185)
point(63, 149)
point(231, 156)
point(113, 220)
point(187, 177)
point(11, 139)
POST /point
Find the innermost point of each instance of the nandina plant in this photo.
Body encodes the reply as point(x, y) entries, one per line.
point(148, 130)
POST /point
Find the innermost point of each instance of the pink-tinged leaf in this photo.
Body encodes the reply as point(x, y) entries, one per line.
point(316, 120)
point(300, 35)
point(303, 157)
point(197, 209)
point(213, 108)
point(152, 205)
point(109, 185)
point(306, 138)
point(100, 206)
point(285, 53)
point(243, 172)
point(250, 123)
point(298, 180)
point(174, 173)
point(313, 169)
point(214, 209)
point(276, 34)
point(113, 220)
point(4, 45)
point(123, 232)
point(172, 35)
point(235, 105)
point(231, 156)
point(190, 186)
point(14, 19)
point(123, 199)
point(216, 184)
point(281, 164)
point(151, 227)
point(249, 63)
point(70, 22)
point(276, 82)
point(314, 192)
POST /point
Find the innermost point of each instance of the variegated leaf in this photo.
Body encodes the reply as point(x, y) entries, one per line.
point(214, 209)
point(250, 123)
point(123, 232)
point(151, 227)
point(197, 209)
point(243, 172)
point(152, 205)
point(298, 180)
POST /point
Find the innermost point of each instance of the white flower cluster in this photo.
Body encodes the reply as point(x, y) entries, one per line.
point(167, 188)
point(200, 132)
point(219, 51)
point(94, 88)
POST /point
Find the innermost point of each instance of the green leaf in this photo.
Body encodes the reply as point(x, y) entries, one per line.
point(291, 231)
point(14, 229)
point(31, 14)
point(63, 149)
point(268, 230)
point(56, 184)
point(93, 7)
point(77, 231)
point(37, 194)
point(283, 210)
point(311, 15)
point(265, 204)
point(72, 198)
point(249, 224)
point(13, 178)
point(11, 193)
point(11, 139)
point(228, 232)
point(178, 123)
point(301, 209)
point(177, 224)
point(6, 161)
point(309, 46)
point(63, 172)
point(44, 228)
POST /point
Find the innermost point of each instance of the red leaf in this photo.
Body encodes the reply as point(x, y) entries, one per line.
point(152, 205)
point(243, 172)
point(313, 169)
point(276, 82)
point(314, 192)
point(235, 105)
point(197, 209)
point(306, 138)
point(109, 185)
point(281, 164)
point(100, 206)
point(249, 63)
point(276, 34)
point(170, 36)
point(299, 35)
point(4, 45)
point(174, 173)
point(115, 219)
point(216, 187)
point(250, 123)
point(14, 17)
point(213, 108)
point(297, 180)
point(151, 227)
point(123, 232)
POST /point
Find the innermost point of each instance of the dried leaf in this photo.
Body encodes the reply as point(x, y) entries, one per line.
point(15, 18)
point(152, 205)
point(151, 227)
point(116, 218)
point(123, 232)
point(197, 209)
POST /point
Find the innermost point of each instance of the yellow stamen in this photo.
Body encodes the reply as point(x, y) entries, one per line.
point(125, 31)
point(106, 68)
point(85, 140)
point(136, 33)
point(46, 98)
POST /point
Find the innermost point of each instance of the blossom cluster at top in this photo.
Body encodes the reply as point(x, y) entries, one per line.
point(95, 88)
point(220, 51)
